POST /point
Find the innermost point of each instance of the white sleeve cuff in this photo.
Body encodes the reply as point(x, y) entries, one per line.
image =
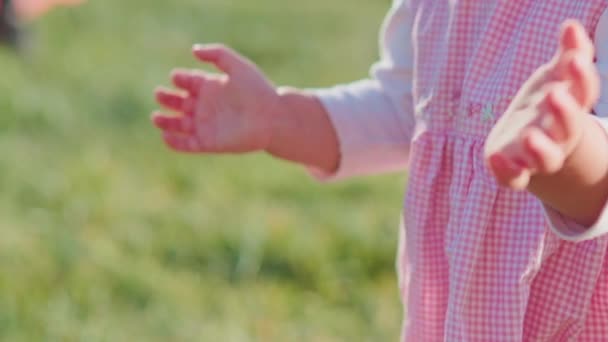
point(373, 135)
point(570, 230)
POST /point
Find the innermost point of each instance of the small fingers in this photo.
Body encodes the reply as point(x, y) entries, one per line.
point(188, 80)
point(560, 122)
point(585, 80)
point(574, 43)
point(544, 154)
point(507, 172)
point(223, 57)
point(178, 123)
point(574, 37)
point(182, 143)
point(174, 101)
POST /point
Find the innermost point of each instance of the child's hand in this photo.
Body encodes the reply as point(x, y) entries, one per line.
point(225, 113)
point(544, 123)
point(32, 9)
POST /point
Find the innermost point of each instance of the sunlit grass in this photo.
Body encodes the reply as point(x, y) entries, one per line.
point(107, 236)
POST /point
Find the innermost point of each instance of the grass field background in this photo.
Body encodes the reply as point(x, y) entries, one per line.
point(105, 235)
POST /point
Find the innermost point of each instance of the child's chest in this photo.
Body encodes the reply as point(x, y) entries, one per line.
point(478, 53)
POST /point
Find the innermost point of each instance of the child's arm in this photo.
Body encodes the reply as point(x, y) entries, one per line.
point(548, 143)
point(358, 128)
point(240, 111)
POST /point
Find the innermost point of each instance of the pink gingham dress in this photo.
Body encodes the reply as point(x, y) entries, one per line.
point(481, 263)
point(477, 262)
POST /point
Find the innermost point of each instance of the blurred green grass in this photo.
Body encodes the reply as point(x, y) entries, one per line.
point(107, 236)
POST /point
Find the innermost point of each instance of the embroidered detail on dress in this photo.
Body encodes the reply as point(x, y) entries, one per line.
point(456, 108)
point(419, 108)
point(487, 114)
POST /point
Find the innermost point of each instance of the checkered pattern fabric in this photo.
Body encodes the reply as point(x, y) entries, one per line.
point(478, 262)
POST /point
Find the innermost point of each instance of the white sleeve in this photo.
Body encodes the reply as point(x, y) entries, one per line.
point(373, 118)
point(561, 225)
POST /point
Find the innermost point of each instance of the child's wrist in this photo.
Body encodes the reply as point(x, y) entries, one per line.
point(593, 138)
point(276, 118)
point(300, 130)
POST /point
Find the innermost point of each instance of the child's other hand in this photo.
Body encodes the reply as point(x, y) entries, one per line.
point(217, 113)
point(544, 122)
point(32, 9)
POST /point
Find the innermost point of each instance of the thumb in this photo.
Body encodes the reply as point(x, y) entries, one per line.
point(224, 58)
point(573, 37)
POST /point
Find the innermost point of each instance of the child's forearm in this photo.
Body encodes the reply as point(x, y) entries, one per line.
point(580, 189)
point(302, 131)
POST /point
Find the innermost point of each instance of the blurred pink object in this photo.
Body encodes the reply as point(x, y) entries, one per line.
point(32, 9)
